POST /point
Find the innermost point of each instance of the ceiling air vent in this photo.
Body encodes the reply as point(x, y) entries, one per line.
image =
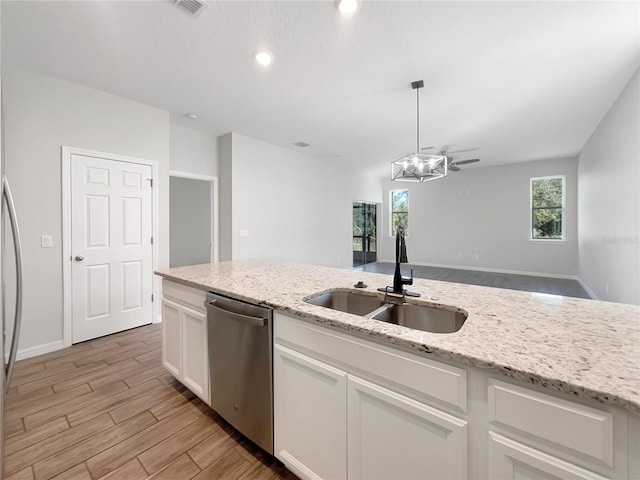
point(192, 7)
point(301, 144)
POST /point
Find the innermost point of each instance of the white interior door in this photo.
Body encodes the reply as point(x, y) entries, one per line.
point(111, 246)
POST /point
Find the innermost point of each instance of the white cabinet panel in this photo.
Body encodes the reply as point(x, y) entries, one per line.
point(171, 343)
point(429, 379)
point(195, 357)
point(310, 415)
point(391, 436)
point(514, 461)
point(568, 424)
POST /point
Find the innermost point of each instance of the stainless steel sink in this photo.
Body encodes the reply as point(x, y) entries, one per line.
point(348, 302)
point(422, 317)
point(418, 317)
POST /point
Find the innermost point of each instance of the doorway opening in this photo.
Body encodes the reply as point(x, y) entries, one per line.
point(192, 219)
point(364, 233)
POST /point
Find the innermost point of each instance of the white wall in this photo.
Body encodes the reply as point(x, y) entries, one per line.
point(609, 202)
point(41, 114)
point(225, 197)
point(484, 212)
point(295, 206)
point(193, 151)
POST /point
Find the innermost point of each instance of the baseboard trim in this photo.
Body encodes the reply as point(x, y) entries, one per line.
point(296, 466)
point(587, 289)
point(492, 270)
point(39, 350)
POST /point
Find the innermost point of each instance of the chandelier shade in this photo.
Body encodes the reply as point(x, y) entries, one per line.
point(418, 167)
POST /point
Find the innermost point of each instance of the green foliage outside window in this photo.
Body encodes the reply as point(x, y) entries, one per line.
point(399, 211)
point(547, 202)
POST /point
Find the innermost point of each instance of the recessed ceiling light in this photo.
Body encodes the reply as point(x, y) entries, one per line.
point(347, 7)
point(192, 116)
point(263, 58)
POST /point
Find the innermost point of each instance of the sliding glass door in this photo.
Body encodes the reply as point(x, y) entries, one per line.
point(364, 233)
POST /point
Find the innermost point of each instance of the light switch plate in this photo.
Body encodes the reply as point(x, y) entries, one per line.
point(244, 233)
point(46, 241)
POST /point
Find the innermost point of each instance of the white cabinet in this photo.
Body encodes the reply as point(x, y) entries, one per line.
point(310, 415)
point(395, 437)
point(184, 337)
point(171, 345)
point(512, 460)
point(195, 357)
point(342, 412)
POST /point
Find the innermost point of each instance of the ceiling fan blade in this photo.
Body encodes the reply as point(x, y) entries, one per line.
point(463, 150)
point(464, 162)
point(427, 148)
point(453, 168)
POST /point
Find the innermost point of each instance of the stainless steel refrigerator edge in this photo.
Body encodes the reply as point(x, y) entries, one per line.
point(1, 285)
point(7, 206)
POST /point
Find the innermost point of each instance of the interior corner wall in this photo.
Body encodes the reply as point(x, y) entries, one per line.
point(292, 206)
point(225, 197)
point(479, 218)
point(609, 202)
point(193, 151)
point(41, 114)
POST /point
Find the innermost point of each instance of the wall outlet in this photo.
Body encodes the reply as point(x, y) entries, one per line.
point(244, 233)
point(46, 241)
point(606, 288)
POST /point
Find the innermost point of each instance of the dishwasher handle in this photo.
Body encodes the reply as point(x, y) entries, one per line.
point(238, 317)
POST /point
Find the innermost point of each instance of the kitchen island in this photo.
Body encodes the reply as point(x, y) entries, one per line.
point(580, 359)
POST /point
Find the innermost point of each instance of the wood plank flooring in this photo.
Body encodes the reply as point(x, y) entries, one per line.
point(528, 283)
point(106, 409)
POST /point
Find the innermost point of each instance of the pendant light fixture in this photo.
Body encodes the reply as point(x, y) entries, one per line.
point(418, 167)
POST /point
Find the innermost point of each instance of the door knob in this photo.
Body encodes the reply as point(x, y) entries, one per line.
point(79, 258)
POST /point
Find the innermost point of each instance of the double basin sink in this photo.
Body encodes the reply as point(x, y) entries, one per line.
point(418, 317)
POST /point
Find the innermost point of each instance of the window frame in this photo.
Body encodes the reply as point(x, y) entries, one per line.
point(563, 208)
point(391, 212)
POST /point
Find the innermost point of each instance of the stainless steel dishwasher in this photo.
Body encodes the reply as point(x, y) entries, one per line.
point(241, 366)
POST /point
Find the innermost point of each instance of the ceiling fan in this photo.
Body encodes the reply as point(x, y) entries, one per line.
point(452, 164)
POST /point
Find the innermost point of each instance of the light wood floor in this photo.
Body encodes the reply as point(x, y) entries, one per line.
point(106, 409)
point(528, 283)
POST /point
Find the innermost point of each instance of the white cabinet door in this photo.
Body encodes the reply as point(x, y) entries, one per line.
point(111, 246)
point(394, 437)
point(310, 400)
point(171, 341)
point(514, 461)
point(195, 358)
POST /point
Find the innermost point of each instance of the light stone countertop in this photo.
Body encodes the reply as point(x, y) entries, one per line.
point(583, 347)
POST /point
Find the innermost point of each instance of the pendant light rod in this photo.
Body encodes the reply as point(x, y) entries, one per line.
point(417, 85)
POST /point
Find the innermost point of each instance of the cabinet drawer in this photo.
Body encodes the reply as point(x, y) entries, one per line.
point(429, 379)
point(512, 460)
point(567, 424)
point(191, 297)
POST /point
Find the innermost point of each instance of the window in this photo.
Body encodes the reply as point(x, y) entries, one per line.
point(399, 211)
point(547, 208)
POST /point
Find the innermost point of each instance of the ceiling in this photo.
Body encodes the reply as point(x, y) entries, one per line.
point(514, 81)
